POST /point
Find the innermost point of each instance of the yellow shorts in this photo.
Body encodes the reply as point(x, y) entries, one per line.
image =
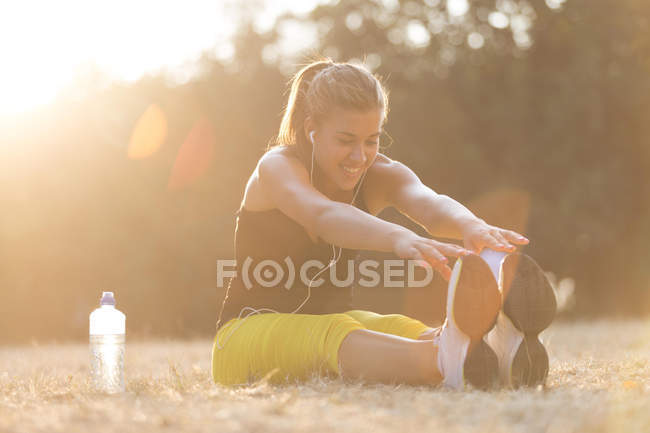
point(295, 345)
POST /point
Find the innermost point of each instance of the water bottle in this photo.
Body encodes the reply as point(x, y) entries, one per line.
point(107, 330)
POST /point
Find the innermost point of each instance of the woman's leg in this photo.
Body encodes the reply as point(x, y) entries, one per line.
point(430, 333)
point(395, 324)
point(377, 357)
point(298, 345)
point(393, 339)
point(459, 353)
point(295, 346)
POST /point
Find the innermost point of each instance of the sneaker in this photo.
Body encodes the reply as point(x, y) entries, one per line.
point(528, 308)
point(473, 302)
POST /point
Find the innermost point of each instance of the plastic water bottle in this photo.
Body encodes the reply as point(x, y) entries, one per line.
point(107, 337)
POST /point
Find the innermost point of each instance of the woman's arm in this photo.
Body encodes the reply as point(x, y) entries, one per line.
point(286, 182)
point(439, 214)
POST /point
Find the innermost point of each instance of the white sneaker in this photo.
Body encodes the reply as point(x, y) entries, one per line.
point(473, 302)
point(528, 308)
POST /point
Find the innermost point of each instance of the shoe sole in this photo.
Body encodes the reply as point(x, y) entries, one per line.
point(476, 298)
point(476, 304)
point(530, 305)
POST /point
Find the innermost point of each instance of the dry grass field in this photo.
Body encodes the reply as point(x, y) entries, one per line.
point(599, 381)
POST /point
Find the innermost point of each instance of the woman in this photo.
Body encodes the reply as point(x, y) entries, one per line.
point(322, 183)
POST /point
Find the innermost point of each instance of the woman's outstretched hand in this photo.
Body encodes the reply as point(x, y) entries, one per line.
point(478, 235)
point(408, 245)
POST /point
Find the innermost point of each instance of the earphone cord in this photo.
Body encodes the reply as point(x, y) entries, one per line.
point(333, 260)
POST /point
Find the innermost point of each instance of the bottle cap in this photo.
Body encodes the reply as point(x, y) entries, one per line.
point(107, 299)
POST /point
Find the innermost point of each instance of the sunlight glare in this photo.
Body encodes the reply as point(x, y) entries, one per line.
point(417, 34)
point(498, 20)
point(555, 4)
point(46, 44)
point(457, 8)
point(475, 40)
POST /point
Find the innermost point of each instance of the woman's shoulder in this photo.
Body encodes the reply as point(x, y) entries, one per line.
point(380, 179)
point(387, 170)
point(279, 156)
point(380, 170)
point(273, 162)
point(381, 161)
point(280, 149)
point(277, 162)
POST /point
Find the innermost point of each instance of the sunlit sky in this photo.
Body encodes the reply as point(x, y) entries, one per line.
point(45, 44)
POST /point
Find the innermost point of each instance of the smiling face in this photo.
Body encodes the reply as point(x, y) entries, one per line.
point(346, 144)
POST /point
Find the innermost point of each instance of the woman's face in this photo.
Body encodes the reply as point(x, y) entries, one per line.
point(346, 144)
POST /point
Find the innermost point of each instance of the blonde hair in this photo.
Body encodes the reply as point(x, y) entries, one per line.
point(320, 87)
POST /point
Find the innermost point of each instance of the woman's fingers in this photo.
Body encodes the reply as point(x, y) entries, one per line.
point(471, 245)
point(450, 250)
point(483, 235)
point(514, 237)
point(502, 241)
point(445, 272)
point(417, 248)
point(506, 237)
point(487, 240)
point(434, 254)
point(437, 260)
point(415, 254)
point(494, 244)
point(430, 257)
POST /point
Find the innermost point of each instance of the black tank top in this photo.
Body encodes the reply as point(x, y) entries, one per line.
point(272, 235)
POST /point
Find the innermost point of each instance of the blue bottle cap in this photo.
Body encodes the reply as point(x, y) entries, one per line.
point(107, 299)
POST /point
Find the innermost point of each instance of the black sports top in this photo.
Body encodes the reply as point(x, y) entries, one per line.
point(272, 235)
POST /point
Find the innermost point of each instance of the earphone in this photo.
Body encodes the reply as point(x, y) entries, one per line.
point(333, 260)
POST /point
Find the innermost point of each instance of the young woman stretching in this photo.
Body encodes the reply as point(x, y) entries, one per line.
point(320, 187)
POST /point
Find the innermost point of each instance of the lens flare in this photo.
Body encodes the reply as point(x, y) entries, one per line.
point(148, 134)
point(194, 156)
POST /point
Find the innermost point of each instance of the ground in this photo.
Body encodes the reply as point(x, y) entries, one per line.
point(599, 381)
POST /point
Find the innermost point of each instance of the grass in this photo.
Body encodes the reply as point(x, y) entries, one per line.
point(599, 381)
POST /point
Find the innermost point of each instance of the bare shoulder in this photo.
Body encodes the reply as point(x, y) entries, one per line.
point(279, 157)
point(382, 163)
point(383, 177)
point(275, 162)
point(280, 162)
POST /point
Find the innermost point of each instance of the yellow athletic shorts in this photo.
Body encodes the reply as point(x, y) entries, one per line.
point(296, 346)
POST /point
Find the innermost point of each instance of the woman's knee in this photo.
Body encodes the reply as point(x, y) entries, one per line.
point(395, 324)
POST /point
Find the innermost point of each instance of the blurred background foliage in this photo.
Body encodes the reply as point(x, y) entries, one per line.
point(532, 113)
